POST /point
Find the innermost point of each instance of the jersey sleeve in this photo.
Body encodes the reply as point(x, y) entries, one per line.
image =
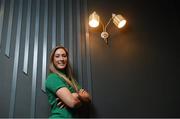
point(54, 82)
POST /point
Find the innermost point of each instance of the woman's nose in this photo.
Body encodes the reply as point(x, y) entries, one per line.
point(61, 58)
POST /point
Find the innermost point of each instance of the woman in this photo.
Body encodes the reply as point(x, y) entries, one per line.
point(61, 84)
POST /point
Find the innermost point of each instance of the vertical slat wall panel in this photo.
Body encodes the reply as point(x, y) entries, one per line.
point(44, 60)
point(88, 57)
point(16, 61)
point(70, 31)
point(34, 74)
point(62, 23)
point(26, 50)
point(35, 40)
point(2, 6)
point(83, 50)
point(79, 53)
point(54, 24)
point(8, 41)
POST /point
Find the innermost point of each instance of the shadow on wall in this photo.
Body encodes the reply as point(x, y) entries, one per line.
point(87, 111)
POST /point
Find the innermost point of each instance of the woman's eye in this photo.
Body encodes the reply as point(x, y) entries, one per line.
point(64, 56)
point(57, 56)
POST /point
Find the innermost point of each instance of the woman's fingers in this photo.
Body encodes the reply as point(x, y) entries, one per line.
point(60, 104)
point(81, 90)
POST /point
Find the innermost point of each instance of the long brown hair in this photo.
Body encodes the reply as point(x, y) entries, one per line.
point(69, 74)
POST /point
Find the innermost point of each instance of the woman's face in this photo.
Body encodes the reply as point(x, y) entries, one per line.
point(60, 59)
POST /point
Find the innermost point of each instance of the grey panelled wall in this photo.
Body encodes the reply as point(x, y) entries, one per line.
point(29, 29)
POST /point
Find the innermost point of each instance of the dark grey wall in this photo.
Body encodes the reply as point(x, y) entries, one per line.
point(29, 29)
point(138, 75)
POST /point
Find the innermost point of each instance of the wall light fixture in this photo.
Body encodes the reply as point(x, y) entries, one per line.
point(94, 21)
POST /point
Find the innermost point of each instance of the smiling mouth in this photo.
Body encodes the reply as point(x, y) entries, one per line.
point(61, 64)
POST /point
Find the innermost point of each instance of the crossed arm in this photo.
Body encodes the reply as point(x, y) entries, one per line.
point(73, 100)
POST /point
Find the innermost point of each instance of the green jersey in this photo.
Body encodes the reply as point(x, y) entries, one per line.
point(53, 83)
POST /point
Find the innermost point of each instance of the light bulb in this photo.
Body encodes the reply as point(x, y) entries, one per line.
point(122, 23)
point(119, 20)
point(94, 20)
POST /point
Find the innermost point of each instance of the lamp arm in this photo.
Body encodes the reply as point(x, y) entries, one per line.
point(107, 24)
point(103, 26)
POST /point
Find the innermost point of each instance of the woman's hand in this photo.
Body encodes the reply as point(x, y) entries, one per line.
point(84, 96)
point(60, 104)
